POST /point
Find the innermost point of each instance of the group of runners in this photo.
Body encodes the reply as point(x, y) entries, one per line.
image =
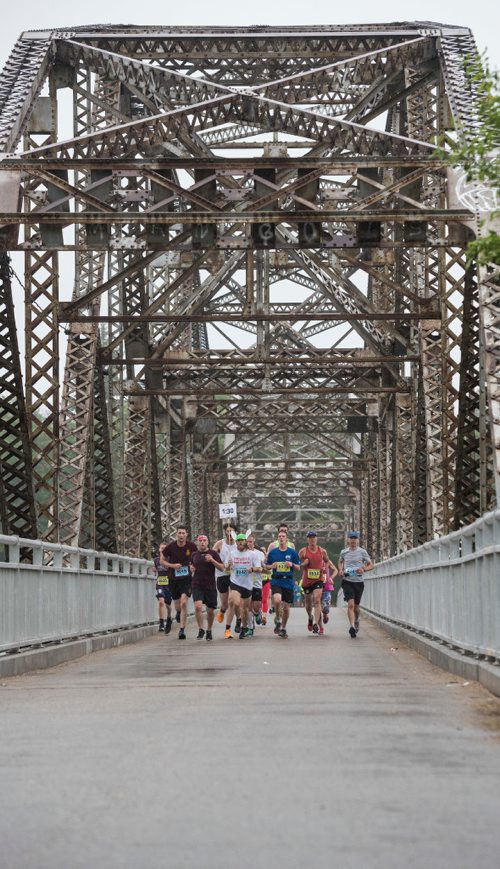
point(236, 578)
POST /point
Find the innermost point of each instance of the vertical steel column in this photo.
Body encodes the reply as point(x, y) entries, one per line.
point(404, 469)
point(17, 495)
point(469, 474)
point(78, 474)
point(42, 344)
point(135, 472)
point(489, 297)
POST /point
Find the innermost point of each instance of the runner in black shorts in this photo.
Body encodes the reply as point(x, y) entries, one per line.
point(284, 560)
point(177, 557)
point(255, 614)
point(203, 564)
point(353, 563)
point(163, 596)
point(241, 584)
point(225, 547)
point(314, 560)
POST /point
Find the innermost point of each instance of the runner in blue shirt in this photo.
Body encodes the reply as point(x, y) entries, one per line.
point(284, 560)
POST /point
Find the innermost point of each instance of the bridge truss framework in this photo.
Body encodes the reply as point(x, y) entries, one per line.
point(259, 265)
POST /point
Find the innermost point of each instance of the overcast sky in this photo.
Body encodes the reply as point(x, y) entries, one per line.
point(479, 15)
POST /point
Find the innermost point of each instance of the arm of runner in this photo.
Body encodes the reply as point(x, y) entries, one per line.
point(218, 564)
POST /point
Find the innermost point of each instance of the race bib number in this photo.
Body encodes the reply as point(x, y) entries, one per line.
point(313, 573)
point(182, 571)
point(162, 580)
point(283, 566)
point(241, 571)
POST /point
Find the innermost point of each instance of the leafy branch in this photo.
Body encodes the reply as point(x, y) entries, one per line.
point(478, 153)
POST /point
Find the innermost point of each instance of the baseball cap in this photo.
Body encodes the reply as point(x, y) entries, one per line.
point(353, 534)
point(241, 537)
point(311, 534)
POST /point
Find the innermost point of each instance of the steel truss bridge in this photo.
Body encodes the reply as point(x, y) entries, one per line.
point(257, 259)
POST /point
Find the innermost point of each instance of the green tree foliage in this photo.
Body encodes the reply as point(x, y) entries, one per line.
point(479, 155)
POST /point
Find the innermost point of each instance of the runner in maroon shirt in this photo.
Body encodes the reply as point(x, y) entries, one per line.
point(204, 562)
point(176, 555)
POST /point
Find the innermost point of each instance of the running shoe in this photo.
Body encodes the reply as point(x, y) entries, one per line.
point(227, 634)
point(168, 625)
point(264, 620)
point(315, 629)
point(161, 626)
point(277, 627)
point(356, 625)
point(242, 633)
point(352, 631)
point(208, 635)
point(182, 634)
point(258, 618)
point(177, 616)
point(237, 627)
point(283, 634)
point(220, 617)
point(249, 632)
point(201, 634)
point(321, 631)
point(309, 624)
point(326, 618)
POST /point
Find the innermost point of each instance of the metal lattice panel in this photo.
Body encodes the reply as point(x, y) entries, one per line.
point(17, 495)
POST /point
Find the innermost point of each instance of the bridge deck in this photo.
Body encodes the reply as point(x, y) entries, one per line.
point(316, 750)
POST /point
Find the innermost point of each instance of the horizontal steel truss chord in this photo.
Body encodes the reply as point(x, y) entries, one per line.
point(248, 316)
point(294, 466)
point(211, 356)
point(293, 390)
point(305, 509)
point(277, 360)
point(223, 167)
point(339, 243)
point(64, 218)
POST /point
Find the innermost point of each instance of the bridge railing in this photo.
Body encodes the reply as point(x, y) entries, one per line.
point(50, 592)
point(449, 588)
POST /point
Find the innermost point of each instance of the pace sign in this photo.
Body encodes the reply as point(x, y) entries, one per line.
point(227, 511)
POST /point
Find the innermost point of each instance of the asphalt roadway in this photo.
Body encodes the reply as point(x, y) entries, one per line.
point(312, 751)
